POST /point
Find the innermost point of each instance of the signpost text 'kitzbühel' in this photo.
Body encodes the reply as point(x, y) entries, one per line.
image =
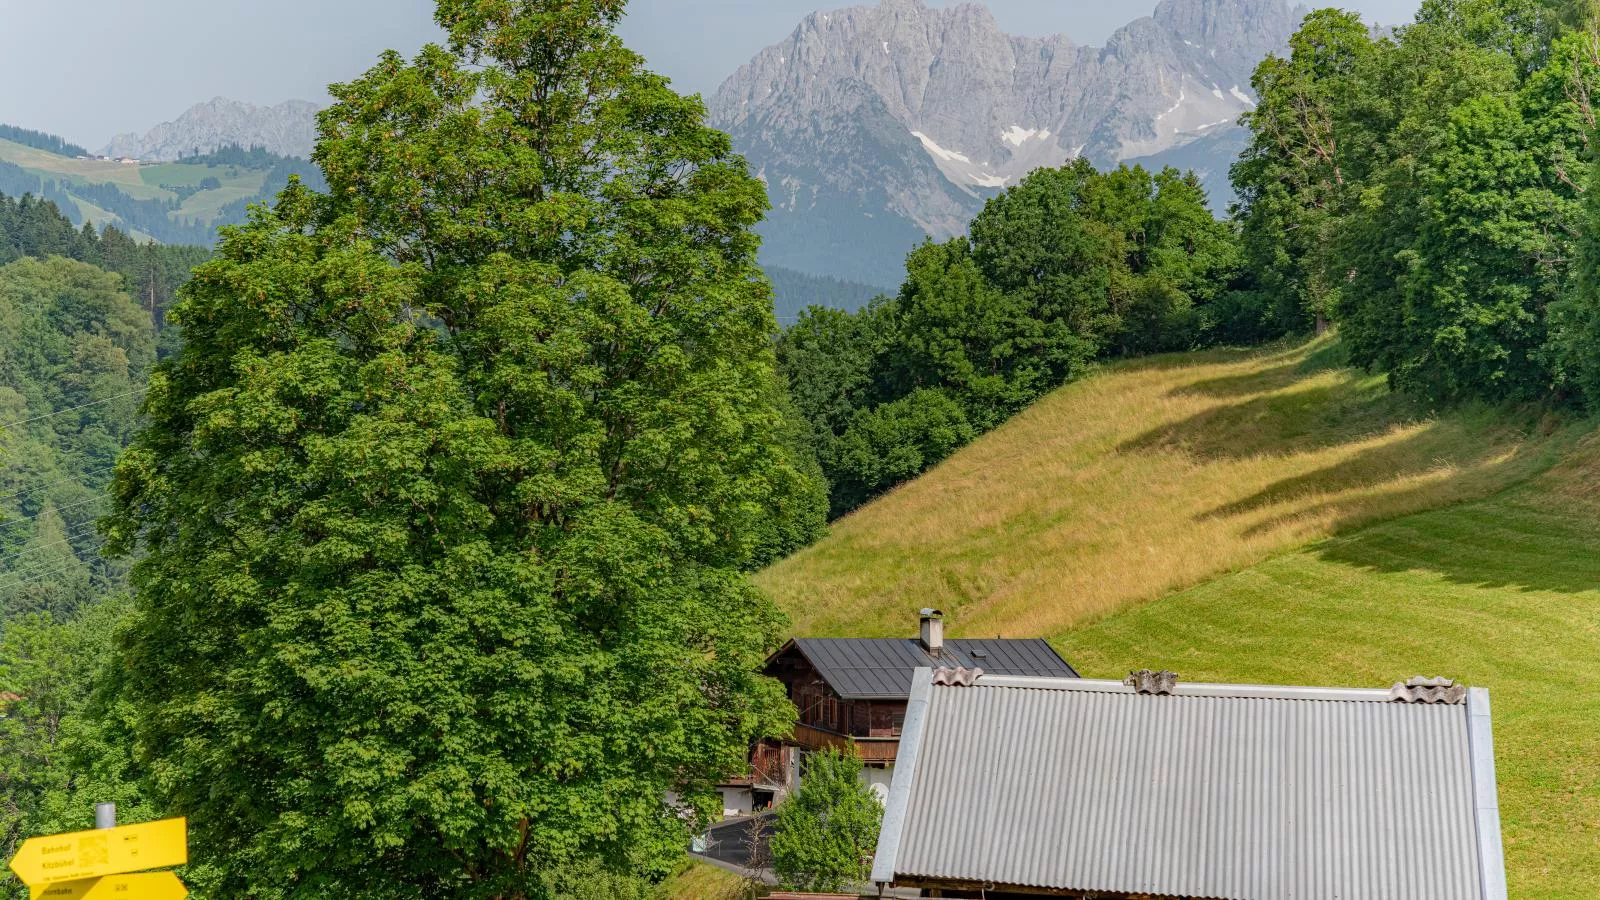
point(106, 862)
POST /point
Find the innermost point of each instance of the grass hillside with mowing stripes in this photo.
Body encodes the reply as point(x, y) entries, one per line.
point(1502, 593)
point(1150, 477)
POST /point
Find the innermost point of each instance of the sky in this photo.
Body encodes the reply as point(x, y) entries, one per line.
point(90, 69)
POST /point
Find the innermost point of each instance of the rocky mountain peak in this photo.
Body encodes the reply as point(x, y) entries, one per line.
point(940, 108)
point(288, 129)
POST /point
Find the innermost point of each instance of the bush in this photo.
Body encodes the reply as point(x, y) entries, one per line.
point(827, 832)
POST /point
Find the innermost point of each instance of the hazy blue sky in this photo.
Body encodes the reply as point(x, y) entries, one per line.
point(88, 69)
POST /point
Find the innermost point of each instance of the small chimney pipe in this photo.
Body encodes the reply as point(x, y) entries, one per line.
point(933, 631)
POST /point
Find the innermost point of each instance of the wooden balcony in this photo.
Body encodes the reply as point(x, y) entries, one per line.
point(878, 751)
point(871, 750)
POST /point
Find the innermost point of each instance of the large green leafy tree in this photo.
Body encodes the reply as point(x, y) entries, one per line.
point(1466, 228)
point(1037, 244)
point(1294, 180)
point(448, 500)
point(954, 331)
point(1422, 190)
point(1575, 320)
point(829, 361)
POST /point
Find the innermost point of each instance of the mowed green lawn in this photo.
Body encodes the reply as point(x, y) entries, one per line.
point(1502, 593)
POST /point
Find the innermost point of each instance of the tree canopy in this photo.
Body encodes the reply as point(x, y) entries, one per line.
point(1066, 269)
point(826, 832)
point(1426, 192)
point(447, 502)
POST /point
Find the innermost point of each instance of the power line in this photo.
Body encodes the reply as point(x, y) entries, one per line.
point(65, 540)
point(58, 509)
point(62, 412)
point(33, 576)
point(72, 479)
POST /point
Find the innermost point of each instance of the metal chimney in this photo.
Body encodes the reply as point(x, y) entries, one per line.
point(933, 631)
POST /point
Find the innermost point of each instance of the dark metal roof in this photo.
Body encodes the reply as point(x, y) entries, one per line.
point(881, 668)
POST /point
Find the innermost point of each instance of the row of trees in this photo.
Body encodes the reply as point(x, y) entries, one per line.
point(1427, 191)
point(39, 140)
point(1067, 268)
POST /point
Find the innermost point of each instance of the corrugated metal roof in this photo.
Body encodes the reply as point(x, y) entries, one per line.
point(881, 668)
point(1217, 791)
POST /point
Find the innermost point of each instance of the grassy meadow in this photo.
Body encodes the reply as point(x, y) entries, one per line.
point(1149, 478)
point(1270, 517)
point(1502, 593)
point(141, 182)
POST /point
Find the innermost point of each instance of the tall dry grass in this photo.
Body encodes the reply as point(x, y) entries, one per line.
point(1145, 479)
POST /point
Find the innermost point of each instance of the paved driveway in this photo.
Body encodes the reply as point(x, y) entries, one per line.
point(742, 842)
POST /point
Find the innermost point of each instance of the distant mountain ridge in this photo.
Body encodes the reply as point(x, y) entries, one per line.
point(287, 129)
point(874, 126)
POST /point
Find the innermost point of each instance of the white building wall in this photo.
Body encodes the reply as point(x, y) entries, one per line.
point(737, 801)
point(879, 780)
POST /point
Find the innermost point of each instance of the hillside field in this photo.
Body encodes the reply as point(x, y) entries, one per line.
point(1149, 478)
point(1502, 593)
point(1270, 517)
point(141, 182)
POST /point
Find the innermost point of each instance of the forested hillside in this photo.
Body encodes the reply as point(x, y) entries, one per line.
point(80, 316)
point(40, 141)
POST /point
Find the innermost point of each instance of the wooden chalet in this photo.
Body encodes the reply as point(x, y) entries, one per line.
point(851, 694)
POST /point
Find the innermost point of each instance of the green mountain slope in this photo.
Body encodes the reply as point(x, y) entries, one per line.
point(173, 203)
point(1269, 517)
point(1151, 477)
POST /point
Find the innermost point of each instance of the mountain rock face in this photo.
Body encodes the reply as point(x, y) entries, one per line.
point(287, 129)
point(878, 125)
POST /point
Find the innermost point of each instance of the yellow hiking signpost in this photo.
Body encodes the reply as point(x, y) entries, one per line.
point(142, 886)
point(102, 864)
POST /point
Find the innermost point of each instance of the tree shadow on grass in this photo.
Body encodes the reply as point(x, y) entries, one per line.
point(1290, 367)
point(1279, 352)
point(1426, 449)
point(1550, 549)
point(1287, 420)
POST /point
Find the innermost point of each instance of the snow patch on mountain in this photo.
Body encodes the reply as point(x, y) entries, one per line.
point(934, 149)
point(1016, 135)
